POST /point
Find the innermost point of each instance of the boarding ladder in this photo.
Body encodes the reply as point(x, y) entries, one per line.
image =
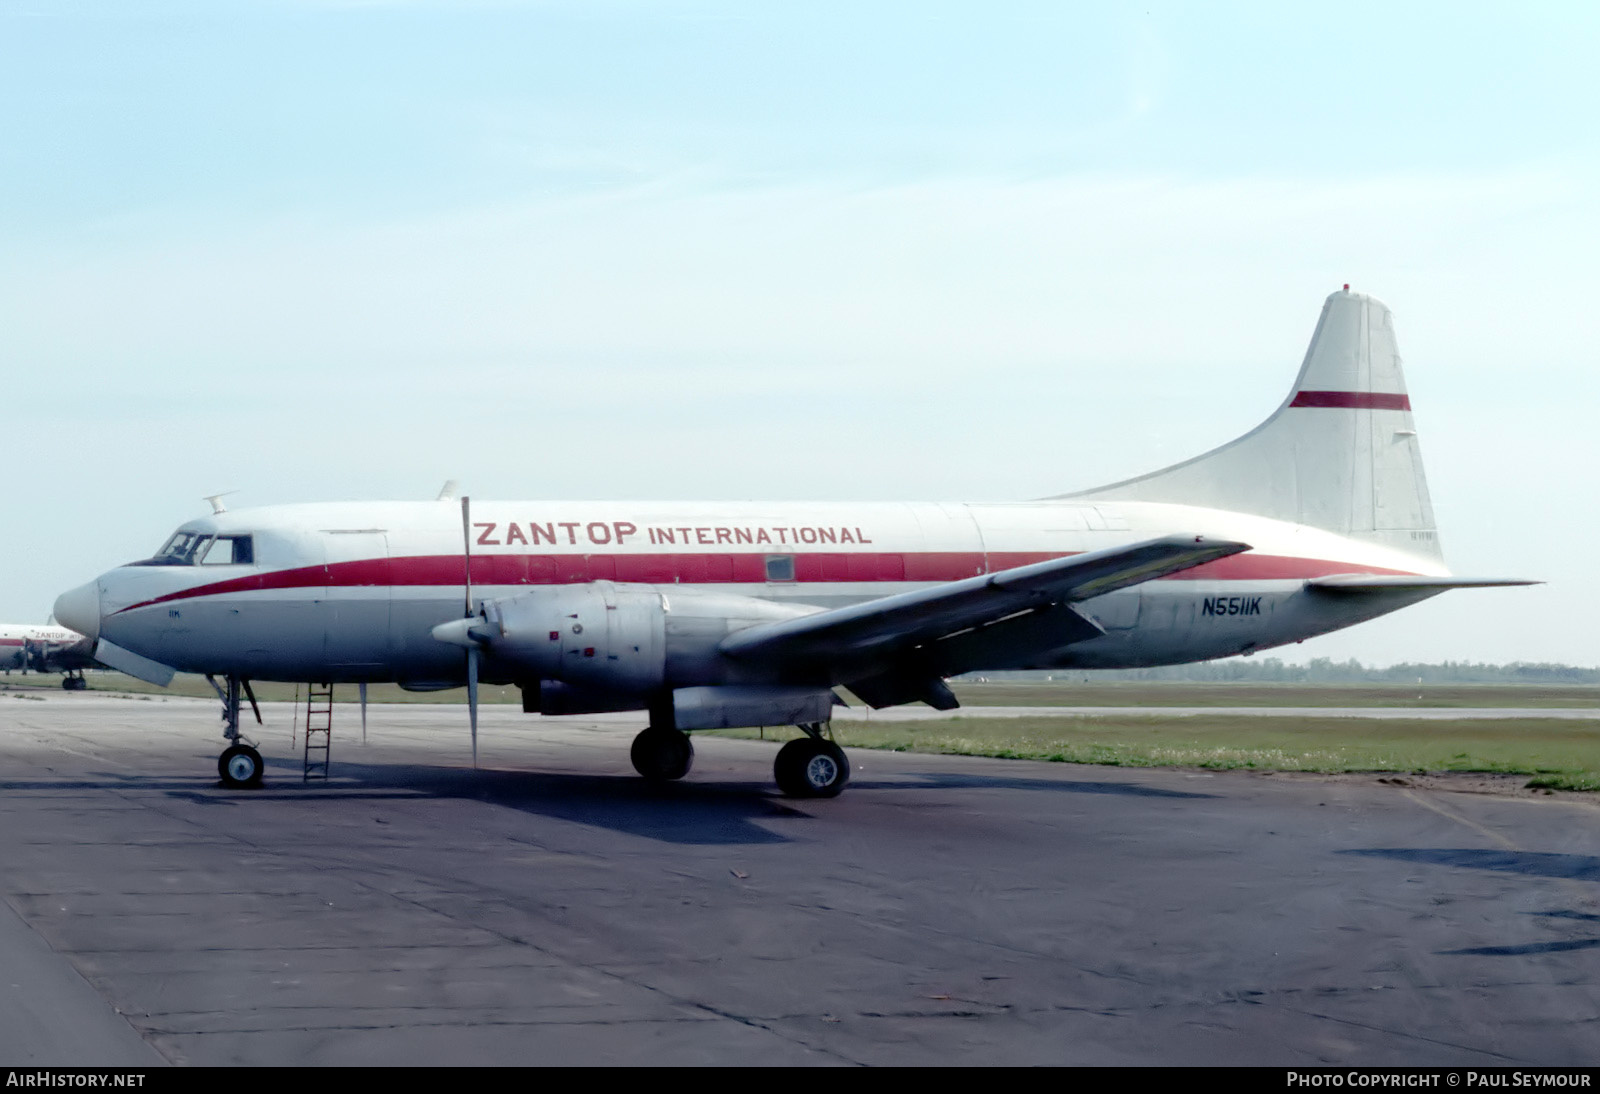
point(319, 730)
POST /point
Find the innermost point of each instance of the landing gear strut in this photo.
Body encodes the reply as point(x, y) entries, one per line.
point(240, 764)
point(662, 755)
point(811, 766)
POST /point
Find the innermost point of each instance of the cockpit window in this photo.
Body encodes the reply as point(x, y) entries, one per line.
point(200, 548)
point(228, 551)
point(181, 548)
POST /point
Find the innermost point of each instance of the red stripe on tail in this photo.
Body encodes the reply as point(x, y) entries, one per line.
point(1355, 400)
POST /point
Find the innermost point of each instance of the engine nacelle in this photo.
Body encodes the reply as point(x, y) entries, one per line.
point(600, 635)
point(723, 707)
point(554, 697)
point(618, 639)
point(734, 706)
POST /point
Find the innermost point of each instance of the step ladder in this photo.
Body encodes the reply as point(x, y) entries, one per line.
point(319, 730)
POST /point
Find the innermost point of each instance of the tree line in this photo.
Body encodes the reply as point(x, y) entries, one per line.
point(1325, 670)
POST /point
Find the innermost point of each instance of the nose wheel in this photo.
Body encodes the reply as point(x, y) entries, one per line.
point(811, 766)
point(240, 767)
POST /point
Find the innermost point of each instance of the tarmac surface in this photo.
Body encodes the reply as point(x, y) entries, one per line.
point(551, 908)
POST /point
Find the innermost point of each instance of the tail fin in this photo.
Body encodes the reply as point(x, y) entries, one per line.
point(1340, 454)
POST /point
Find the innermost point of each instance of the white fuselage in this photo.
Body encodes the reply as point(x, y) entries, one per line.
point(351, 592)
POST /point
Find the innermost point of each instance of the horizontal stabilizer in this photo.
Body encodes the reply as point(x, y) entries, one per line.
point(1387, 583)
point(877, 628)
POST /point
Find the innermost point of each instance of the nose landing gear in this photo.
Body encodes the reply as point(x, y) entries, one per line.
point(240, 764)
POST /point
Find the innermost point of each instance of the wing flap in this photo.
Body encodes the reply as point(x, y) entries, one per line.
point(890, 689)
point(919, 674)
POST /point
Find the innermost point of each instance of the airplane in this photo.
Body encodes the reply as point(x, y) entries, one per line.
point(725, 614)
point(47, 648)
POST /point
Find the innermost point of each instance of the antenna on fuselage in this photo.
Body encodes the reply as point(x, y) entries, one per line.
point(447, 492)
point(216, 501)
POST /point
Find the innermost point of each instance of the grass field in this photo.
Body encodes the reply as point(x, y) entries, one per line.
point(1058, 693)
point(1561, 754)
point(1143, 694)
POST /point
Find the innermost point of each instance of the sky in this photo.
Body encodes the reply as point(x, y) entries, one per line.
point(317, 251)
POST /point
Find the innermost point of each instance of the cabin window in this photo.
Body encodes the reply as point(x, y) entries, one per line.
point(780, 567)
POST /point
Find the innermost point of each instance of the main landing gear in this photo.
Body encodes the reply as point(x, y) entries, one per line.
point(662, 755)
point(811, 766)
point(76, 682)
point(807, 767)
point(240, 764)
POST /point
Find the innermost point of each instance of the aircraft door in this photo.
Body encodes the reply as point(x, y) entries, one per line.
point(356, 603)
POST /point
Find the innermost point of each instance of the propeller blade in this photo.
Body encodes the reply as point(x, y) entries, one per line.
point(467, 614)
point(466, 552)
point(472, 700)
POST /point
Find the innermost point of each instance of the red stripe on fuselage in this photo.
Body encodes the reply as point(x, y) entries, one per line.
point(1354, 400)
point(714, 569)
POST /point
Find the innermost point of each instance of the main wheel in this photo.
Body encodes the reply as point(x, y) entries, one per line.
point(662, 755)
point(811, 768)
point(240, 766)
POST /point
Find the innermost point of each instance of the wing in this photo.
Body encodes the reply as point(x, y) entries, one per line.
point(897, 649)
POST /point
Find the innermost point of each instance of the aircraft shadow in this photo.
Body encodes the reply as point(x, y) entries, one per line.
point(687, 812)
point(680, 813)
point(1587, 917)
point(1520, 951)
point(996, 782)
point(1527, 863)
point(690, 812)
point(1531, 863)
